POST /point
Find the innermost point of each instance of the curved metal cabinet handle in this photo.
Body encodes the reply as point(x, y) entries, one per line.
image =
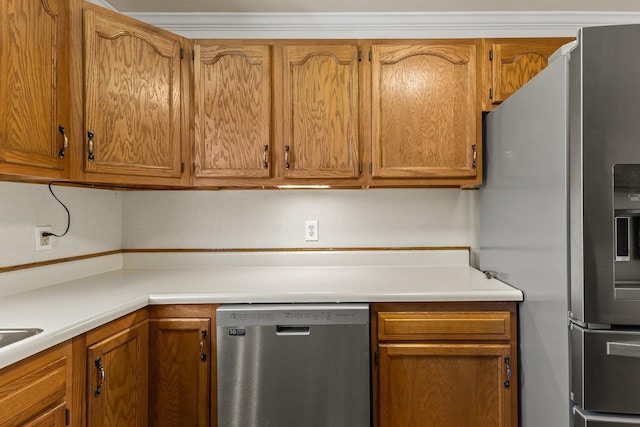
point(98, 363)
point(286, 157)
point(203, 337)
point(90, 156)
point(624, 349)
point(265, 162)
point(507, 363)
point(65, 144)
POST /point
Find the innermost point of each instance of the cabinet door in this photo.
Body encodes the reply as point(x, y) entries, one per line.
point(232, 111)
point(516, 61)
point(180, 363)
point(117, 369)
point(426, 115)
point(444, 385)
point(321, 95)
point(132, 97)
point(34, 82)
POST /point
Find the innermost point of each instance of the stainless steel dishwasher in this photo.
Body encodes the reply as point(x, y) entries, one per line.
point(293, 365)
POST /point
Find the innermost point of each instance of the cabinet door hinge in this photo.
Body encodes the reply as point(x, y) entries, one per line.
point(193, 55)
point(491, 55)
point(193, 168)
point(360, 168)
point(475, 156)
point(182, 167)
point(67, 416)
point(359, 56)
point(181, 53)
point(376, 357)
point(370, 168)
point(370, 55)
point(490, 93)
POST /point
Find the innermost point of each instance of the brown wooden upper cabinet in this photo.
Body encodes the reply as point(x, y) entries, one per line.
point(426, 116)
point(513, 62)
point(232, 110)
point(133, 101)
point(34, 80)
point(321, 115)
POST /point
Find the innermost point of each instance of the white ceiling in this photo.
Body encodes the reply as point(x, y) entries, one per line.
point(281, 6)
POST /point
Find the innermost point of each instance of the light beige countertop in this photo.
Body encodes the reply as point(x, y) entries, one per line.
point(99, 291)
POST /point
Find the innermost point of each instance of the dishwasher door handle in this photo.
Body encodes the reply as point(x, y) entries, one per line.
point(624, 349)
point(292, 330)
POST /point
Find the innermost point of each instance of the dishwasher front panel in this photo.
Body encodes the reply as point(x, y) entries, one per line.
point(293, 365)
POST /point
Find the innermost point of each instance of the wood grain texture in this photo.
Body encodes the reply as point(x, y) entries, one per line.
point(516, 61)
point(232, 111)
point(123, 397)
point(443, 385)
point(34, 82)
point(321, 111)
point(133, 97)
point(33, 388)
point(179, 378)
point(426, 116)
point(420, 326)
point(55, 417)
point(442, 380)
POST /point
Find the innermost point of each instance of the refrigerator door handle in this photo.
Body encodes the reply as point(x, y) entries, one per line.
point(624, 349)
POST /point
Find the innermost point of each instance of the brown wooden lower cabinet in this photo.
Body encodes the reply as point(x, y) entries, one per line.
point(433, 364)
point(117, 375)
point(37, 390)
point(445, 365)
point(181, 357)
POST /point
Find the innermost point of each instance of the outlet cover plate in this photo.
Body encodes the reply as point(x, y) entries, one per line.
point(311, 230)
point(43, 243)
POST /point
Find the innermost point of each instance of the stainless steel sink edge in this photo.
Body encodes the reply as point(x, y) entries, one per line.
point(13, 335)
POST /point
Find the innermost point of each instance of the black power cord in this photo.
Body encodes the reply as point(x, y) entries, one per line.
point(46, 233)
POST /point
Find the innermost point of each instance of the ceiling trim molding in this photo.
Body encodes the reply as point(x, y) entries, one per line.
point(383, 25)
point(103, 3)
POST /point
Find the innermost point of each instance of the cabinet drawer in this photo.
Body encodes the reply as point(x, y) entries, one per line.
point(32, 387)
point(419, 326)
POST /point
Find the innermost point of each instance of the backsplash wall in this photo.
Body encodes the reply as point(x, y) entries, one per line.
point(96, 221)
point(105, 220)
point(276, 218)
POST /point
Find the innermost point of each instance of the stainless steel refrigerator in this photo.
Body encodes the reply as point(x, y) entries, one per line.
point(560, 220)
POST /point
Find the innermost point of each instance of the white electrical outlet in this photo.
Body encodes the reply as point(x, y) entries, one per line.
point(43, 243)
point(311, 230)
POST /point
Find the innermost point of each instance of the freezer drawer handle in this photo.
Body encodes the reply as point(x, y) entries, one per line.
point(292, 330)
point(624, 349)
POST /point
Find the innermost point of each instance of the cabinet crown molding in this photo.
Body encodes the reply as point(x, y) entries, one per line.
point(383, 24)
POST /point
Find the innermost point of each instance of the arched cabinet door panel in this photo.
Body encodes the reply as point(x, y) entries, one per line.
point(516, 61)
point(34, 82)
point(133, 97)
point(321, 111)
point(426, 116)
point(232, 110)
